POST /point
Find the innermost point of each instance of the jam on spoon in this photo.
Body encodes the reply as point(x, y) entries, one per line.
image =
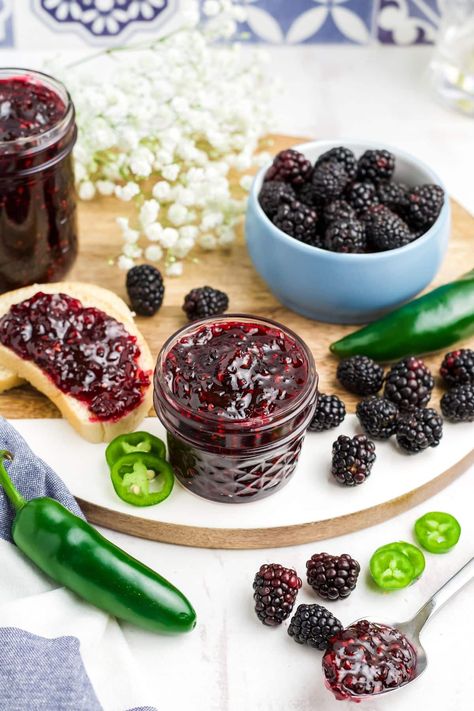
point(368, 658)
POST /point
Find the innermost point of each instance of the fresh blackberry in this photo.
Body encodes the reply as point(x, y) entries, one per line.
point(332, 576)
point(145, 289)
point(424, 205)
point(273, 194)
point(376, 165)
point(360, 375)
point(330, 412)
point(378, 417)
point(338, 210)
point(313, 625)
point(458, 367)
point(352, 459)
point(419, 429)
point(340, 155)
point(298, 221)
point(345, 236)
point(275, 591)
point(458, 403)
point(393, 195)
point(329, 180)
point(409, 383)
point(362, 196)
point(385, 230)
point(308, 197)
point(204, 302)
point(290, 166)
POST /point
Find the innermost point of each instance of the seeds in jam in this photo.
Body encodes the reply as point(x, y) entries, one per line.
point(368, 658)
point(86, 353)
point(235, 370)
point(27, 108)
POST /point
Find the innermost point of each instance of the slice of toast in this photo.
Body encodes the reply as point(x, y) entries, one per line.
point(14, 369)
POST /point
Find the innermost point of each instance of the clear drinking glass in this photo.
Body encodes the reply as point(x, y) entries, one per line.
point(452, 65)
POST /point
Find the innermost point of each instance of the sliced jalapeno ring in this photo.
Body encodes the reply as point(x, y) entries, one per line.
point(134, 442)
point(391, 569)
point(414, 555)
point(142, 479)
point(437, 531)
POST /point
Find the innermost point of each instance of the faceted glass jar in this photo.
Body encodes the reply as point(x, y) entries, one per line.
point(38, 232)
point(234, 460)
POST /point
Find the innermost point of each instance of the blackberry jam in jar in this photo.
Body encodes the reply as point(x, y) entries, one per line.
point(38, 234)
point(236, 395)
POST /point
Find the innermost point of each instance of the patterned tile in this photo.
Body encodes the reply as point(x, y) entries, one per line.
point(408, 22)
point(308, 21)
point(6, 23)
point(103, 21)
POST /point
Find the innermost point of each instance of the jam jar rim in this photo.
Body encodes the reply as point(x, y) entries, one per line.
point(230, 425)
point(36, 142)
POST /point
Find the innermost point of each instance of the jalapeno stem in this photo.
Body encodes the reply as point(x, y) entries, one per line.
point(16, 499)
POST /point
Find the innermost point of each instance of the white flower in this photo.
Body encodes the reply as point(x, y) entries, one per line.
point(80, 172)
point(188, 232)
point(169, 237)
point(171, 172)
point(177, 213)
point(153, 253)
point(210, 220)
point(148, 213)
point(161, 191)
point(105, 187)
point(174, 269)
point(86, 190)
point(125, 263)
point(226, 237)
point(127, 192)
point(207, 241)
point(141, 167)
point(246, 182)
point(132, 250)
point(153, 232)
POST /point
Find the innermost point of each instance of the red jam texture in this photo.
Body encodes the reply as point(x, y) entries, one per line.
point(235, 370)
point(86, 353)
point(27, 108)
point(368, 658)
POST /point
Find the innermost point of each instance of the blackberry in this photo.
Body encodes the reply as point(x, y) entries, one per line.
point(419, 429)
point(424, 205)
point(330, 412)
point(345, 236)
point(338, 210)
point(298, 221)
point(329, 180)
point(308, 197)
point(341, 155)
point(313, 625)
point(376, 165)
point(458, 403)
point(332, 576)
point(275, 591)
point(393, 195)
point(409, 383)
point(352, 459)
point(145, 289)
point(385, 230)
point(362, 196)
point(458, 367)
point(204, 302)
point(290, 166)
point(273, 194)
point(378, 417)
point(360, 375)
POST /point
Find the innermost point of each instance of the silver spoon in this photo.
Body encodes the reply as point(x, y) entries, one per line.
point(413, 627)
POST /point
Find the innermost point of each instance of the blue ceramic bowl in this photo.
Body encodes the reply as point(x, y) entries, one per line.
point(346, 288)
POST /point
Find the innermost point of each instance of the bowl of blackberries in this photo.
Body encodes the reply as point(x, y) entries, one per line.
point(345, 232)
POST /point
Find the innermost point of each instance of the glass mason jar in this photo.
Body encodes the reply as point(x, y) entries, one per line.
point(452, 65)
point(227, 459)
point(38, 233)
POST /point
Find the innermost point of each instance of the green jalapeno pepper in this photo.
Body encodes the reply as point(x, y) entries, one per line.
point(431, 322)
point(77, 556)
point(134, 442)
point(142, 479)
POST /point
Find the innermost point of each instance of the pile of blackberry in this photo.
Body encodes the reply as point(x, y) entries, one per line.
point(344, 204)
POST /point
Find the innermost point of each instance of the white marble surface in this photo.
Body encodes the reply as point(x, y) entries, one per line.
point(231, 662)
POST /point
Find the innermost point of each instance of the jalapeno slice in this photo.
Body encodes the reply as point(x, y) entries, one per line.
point(391, 569)
point(437, 531)
point(134, 442)
point(414, 555)
point(142, 479)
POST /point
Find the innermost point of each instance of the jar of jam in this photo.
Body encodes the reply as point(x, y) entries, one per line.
point(38, 233)
point(236, 395)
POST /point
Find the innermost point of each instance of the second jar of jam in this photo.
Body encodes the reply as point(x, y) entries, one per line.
point(236, 395)
point(38, 233)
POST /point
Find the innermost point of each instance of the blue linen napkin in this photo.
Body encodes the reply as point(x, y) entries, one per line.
point(40, 666)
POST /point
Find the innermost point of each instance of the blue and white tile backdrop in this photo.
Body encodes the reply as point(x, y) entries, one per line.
point(59, 24)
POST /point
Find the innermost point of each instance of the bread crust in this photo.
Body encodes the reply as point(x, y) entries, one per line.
point(16, 369)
